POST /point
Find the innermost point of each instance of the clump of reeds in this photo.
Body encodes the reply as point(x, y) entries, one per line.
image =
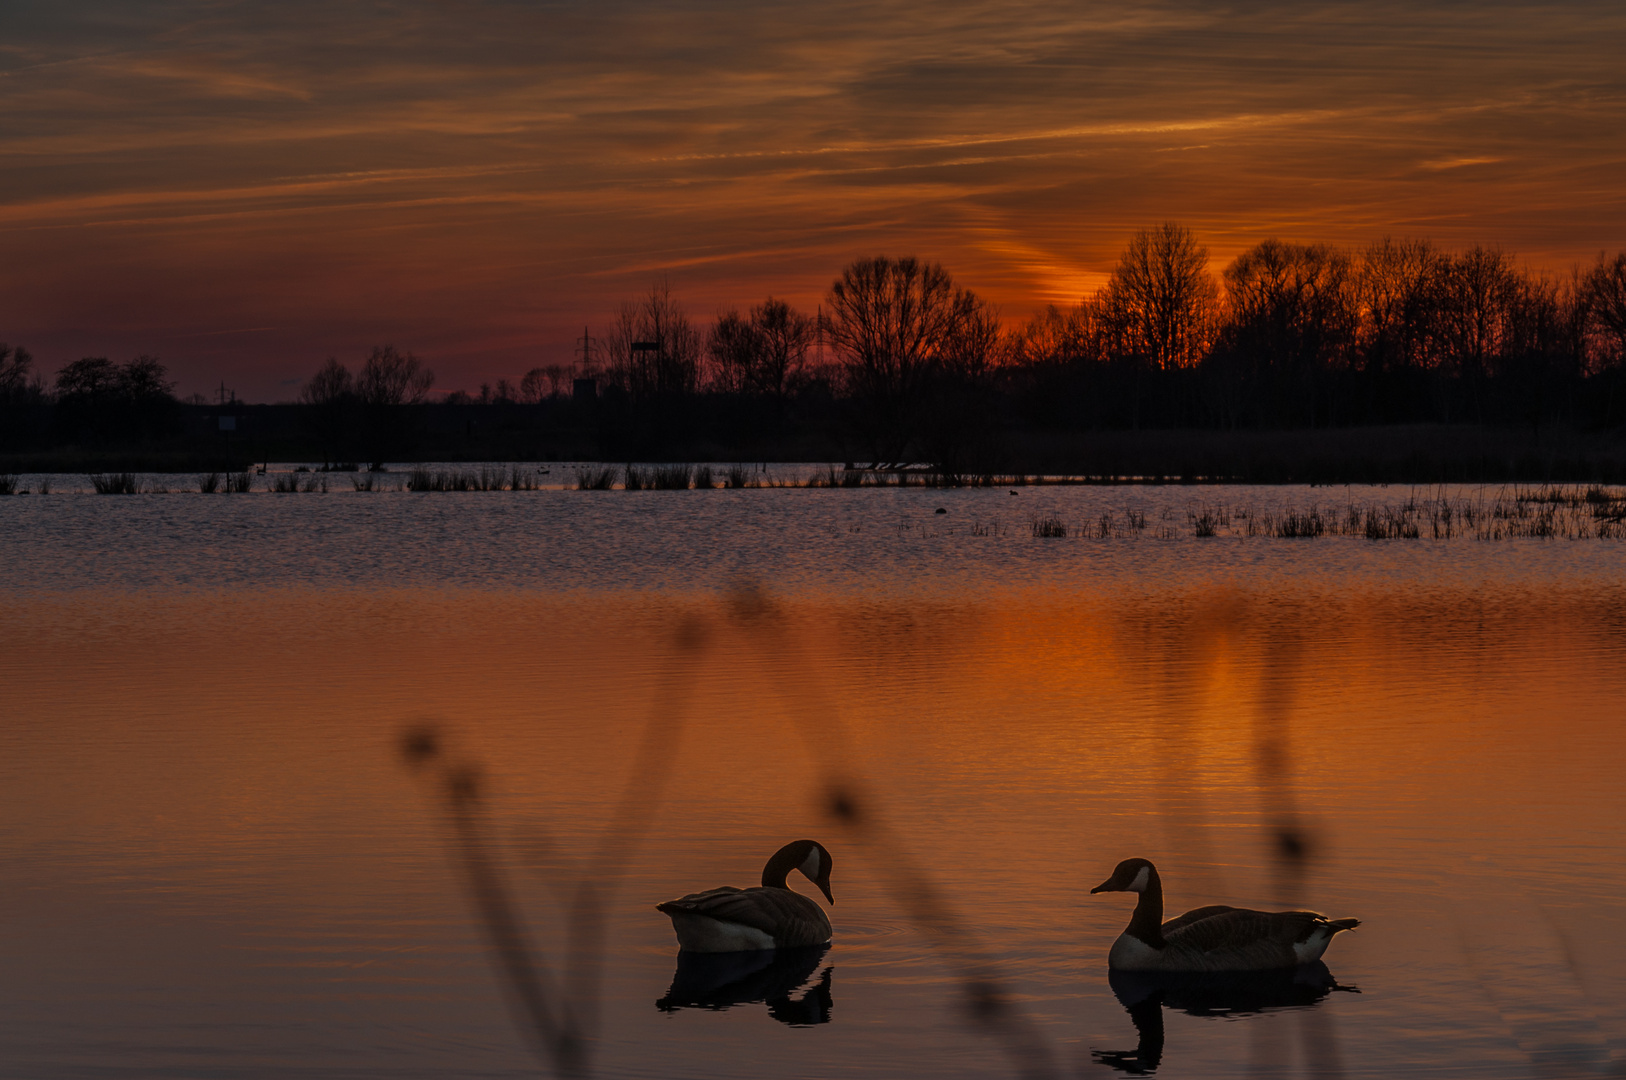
point(8, 484)
point(703, 480)
point(737, 476)
point(239, 483)
point(521, 479)
point(635, 479)
point(1137, 520)
point(45, 486)
point(285, 484)
point(671, 477)
point(1295, 526)
point(1047, 528)
point(122, 483)
point(314, 482)
point(365, 481)
point(595, 479)
point(209, 483)
point(1204, 524)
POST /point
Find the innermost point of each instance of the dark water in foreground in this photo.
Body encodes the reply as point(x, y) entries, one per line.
point(213, 862)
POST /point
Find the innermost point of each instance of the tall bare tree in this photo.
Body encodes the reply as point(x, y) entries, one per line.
point(892, 323)
point(1161, 301)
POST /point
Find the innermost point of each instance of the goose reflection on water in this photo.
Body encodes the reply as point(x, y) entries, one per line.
point(717, 981)
point(1223, 995)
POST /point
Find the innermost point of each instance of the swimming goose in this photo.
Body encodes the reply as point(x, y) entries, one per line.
point(768, 917)
point(1213, 938)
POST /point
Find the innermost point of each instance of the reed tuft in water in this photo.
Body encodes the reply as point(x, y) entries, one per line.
point(239, 483)
point(595, 479)
point(8, 484)
point(209, 483)
point(1049, 528)
point(114, 483)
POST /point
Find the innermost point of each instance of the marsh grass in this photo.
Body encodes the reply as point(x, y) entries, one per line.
point(239, 483)
point(1048, 528)
point(285, 484)
point(8, 484)
point(314, 482)
point(121, 483)
point(45, 485)
point(635, 479)
point(209, 483)
point(366, 481)
point(737, 476)
point(595, 479)
point(671, 477)
point(703, 480)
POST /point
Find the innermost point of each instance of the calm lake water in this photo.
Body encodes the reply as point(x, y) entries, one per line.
point(217, 864)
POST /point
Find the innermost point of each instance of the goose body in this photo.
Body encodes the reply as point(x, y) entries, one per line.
point(1215, 938)
point(769, 916)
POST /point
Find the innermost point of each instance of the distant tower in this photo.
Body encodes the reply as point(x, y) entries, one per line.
point(585, 350)
point(584, 387)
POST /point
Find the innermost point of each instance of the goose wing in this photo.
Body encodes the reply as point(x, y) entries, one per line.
point(1215, 929)
point(1194, 915)
point(788, 917)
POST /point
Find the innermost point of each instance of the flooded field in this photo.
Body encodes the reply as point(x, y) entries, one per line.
point(218, 861)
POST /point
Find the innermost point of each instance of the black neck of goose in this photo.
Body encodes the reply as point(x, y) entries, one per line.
point(1147, 921)
point(779, 867)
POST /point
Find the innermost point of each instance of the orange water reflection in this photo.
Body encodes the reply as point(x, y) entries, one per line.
point(212, 771)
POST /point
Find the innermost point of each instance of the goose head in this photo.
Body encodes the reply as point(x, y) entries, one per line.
point(1131, 875)
point(808, 856)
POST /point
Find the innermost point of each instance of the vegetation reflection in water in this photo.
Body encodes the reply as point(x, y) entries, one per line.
point(1441, 765)
point(559, 1010)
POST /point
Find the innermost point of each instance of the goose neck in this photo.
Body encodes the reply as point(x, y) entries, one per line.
point(778, 869)
point(1147, 921)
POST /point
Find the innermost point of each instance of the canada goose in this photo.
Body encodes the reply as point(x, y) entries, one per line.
point(1213, 938)
point(768, 917)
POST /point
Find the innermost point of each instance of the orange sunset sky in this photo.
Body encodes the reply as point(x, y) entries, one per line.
point(246, 188)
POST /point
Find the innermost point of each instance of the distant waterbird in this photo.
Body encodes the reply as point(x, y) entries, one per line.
point(1215, 938)
point(770, 916)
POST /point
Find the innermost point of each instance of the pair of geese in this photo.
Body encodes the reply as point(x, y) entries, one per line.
point(1215, 938)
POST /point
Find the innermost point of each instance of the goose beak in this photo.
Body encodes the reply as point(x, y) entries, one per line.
point(824, 887)
point(1105, 886)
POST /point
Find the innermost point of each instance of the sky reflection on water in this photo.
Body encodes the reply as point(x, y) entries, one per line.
point(215, 864)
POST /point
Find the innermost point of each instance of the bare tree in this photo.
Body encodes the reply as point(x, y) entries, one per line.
point(1054, 336)
point(329, 400)
point(1603, 295)
point(390, 382)
point(389, 378)
point(763, 353)
point(16, 364)
point(654, 350)
point(551, 381)
point(1291, 317)
point(1160, 302)
point(1397, 286)
point(891, 322)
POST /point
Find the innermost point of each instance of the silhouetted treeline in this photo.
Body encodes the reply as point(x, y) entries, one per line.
point(902, 363)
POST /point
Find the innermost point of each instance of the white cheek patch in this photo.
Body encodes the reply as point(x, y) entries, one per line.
point(1142, 879)
point(810, 865)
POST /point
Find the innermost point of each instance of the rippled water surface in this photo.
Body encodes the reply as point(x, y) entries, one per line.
point(217, 864)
